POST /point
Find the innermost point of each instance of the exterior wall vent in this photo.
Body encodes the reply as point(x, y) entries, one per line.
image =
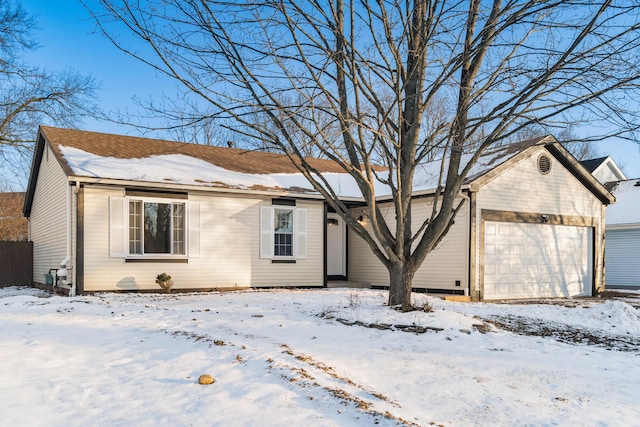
point(544, 164)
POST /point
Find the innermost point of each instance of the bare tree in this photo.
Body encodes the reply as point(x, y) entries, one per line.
point(29, 94)
point(356, 80)
point(580, 149)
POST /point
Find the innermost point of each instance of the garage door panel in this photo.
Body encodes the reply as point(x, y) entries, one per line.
point(490, 229)
point(622, 258)
point(536, 260)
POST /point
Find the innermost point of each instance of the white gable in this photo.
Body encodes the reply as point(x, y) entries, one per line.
point(626, 209)
point(608, 171)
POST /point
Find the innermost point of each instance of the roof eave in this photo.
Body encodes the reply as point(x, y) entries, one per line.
point(417, 194)
point(200, 188)
point(492, 173)
point(34, 173)
point(580, 172)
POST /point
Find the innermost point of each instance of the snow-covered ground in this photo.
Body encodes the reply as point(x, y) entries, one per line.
point(331, 357)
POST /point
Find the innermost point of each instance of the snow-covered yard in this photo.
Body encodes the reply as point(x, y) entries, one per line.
point(314, 358)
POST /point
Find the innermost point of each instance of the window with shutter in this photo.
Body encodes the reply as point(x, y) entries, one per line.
point(147, 228)
point(117, 227)
point(283, 232)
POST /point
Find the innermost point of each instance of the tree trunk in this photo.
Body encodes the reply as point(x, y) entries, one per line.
point(400, 283)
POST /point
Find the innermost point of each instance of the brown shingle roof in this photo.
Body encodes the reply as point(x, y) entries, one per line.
point(130, 147)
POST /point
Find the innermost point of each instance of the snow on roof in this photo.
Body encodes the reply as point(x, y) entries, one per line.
point(427, 175)
point(97, 155)
point(187, 170)
point(626, 209)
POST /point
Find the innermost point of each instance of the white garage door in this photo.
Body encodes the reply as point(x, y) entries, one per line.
point(536, 260)
point(622, 258)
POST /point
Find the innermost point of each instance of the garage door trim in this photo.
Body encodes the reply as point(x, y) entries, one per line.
point(538, 218)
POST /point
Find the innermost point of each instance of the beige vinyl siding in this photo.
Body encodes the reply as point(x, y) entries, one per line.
point(305, 272)
point(229, 248)
point(442, 267)
point(522, 188)
point(100, 271)
point(48, 221)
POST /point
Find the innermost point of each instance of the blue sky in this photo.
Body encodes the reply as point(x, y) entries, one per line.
point(68, 40)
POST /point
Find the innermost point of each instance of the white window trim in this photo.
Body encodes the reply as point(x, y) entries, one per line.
point(267, 233)
point(119, 228)
point(291, 209)
point(171, 202)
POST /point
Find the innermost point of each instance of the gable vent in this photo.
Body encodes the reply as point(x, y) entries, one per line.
point(544, 164)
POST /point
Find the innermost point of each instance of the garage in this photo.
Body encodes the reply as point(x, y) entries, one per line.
point(531, 260)
point(622, 256)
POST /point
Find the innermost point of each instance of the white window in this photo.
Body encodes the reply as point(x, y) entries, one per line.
point(156, 228)
point(283, 232)
point(146, 227)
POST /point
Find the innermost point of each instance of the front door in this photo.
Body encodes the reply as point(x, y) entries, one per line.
point(336, 247)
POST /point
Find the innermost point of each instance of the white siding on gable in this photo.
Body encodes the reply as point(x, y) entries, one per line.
point(48, 221)
point(606, 174)
point(442, 269)
point(522, 188)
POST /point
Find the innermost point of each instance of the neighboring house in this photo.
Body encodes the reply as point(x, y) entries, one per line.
point(13, 225)
point(604, 169)
point(118, 210)
point(622, 233)
point(622, 248)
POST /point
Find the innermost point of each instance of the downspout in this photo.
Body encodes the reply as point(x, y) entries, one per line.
point(63, 271)
point(74, 271)
point(468, 199)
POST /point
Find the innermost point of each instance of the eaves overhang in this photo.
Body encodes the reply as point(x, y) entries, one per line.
point(580, 172)
point(109, 182)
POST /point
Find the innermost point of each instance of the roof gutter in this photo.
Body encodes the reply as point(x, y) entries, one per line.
point(204, 189)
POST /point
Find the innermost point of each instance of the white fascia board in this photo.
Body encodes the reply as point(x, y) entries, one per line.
point(629, 226)
point(192, 188)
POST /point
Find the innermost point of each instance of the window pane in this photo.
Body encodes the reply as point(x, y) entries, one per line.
point(283, 232)
point(283, 245)
point(283, 221)
point(135, 227)
point(178, 228)
point(157, 228)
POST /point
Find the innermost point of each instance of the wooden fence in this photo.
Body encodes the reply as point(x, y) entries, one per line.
point(16, 263)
